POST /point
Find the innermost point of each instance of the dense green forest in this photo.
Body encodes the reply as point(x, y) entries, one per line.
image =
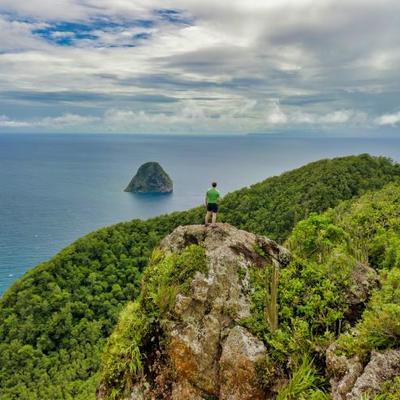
point(55, 320)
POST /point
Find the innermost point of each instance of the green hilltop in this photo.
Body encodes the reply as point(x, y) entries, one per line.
point(55, 320)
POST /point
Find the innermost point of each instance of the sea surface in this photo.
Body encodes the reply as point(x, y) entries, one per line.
point(55, 188)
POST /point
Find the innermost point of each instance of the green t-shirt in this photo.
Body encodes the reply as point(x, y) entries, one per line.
point(212, 196)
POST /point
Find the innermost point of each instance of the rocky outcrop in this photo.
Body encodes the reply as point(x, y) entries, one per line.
point(364, 279)
point(344, 372)
point(150, 178)
point(213, 355)
point(207, 353)
point(350, 381)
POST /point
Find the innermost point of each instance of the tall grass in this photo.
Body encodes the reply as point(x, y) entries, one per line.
point(303, 384)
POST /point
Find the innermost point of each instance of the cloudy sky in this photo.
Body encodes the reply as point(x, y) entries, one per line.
point(200, 66)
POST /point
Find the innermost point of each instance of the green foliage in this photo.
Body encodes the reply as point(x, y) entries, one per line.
point(326, 248)
point(122, 358)
point(379, 327)
point(303, 384)
point(312, 290)
point(54, 321)
point(373, 226)
point(390, 390)
point(271, 298)
point(311, 302)
point(275, 205)
point(315, 292)
point(314, 238)
point(169, 275)
point(256, 322)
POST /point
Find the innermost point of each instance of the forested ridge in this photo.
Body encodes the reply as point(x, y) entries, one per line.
point(55, 320)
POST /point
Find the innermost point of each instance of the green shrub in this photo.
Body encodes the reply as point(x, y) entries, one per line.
point(316, 237)
point(379, 327)
point(390, 390)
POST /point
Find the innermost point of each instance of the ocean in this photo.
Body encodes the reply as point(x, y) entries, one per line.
point(55, 188)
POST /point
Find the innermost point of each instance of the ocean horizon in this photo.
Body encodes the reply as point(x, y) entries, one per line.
point(56, 188)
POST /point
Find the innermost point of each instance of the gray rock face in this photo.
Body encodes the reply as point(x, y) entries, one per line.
point(150, 178)
point(344, 372)
point(364, 279)
point(350, 381)
point(381, 368)
point(210, 353)
point(240, 352)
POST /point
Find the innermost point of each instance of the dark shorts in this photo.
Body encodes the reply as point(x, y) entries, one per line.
point(212, 207)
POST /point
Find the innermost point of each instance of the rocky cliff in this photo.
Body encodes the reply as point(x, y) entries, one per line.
point(187, 335)
point(205, 325)
point(150, 178)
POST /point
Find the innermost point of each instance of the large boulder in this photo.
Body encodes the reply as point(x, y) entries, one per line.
point(211, 353)
point(206, 353)
point(150, 178)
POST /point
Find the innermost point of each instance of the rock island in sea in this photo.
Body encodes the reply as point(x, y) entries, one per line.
point(150, 178)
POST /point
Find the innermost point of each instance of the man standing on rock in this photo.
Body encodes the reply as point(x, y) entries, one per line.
point(212, 199)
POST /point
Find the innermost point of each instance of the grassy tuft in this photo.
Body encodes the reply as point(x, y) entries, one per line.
point(122, 359)
point(303, 384)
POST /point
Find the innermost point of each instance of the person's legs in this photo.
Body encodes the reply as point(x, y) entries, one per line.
point(208, 214)
point(214, 218)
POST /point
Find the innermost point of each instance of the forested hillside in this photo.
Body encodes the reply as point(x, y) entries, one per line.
point(55, 320)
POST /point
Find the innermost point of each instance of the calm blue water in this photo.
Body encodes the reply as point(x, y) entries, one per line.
point(56, 188)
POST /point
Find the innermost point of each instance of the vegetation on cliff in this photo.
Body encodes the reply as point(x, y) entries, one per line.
point(319, 294)
point(55, 320)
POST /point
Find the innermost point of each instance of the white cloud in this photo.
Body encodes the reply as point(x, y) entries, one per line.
point(277, 116)
point(65, 120)
point(388, 119)
point(62, 121)
point(6, 122)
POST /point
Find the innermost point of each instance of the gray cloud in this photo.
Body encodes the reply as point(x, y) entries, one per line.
point(220, 66)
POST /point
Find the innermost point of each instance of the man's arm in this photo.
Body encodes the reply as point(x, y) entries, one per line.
point(206, 200)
